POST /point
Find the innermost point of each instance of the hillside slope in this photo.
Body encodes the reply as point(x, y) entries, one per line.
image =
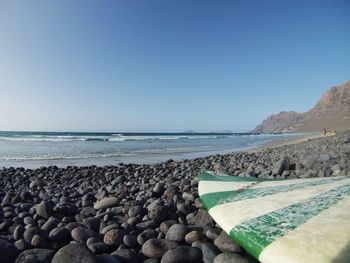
point(331, 112)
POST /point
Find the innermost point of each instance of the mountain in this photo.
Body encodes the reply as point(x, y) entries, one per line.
point(285, 121)
point(331, 112)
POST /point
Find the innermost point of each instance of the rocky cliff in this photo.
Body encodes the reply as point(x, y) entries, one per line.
point(331, 112)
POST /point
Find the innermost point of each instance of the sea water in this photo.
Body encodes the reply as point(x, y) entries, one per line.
point(35, 149)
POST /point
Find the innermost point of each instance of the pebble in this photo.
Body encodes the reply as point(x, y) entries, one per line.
point(145, 235)
point(59, 235)
point(114, 237)
point(36, 255)
point(185, 208)
point(28, 221)
point(170, 192)
point(73, 225)
point(50, 224)
point(159, 189)
point(107, 258)
point(151, 260)
point(74, 253)
point(106, 203)
point(182, 254)
point(226, 244)
point(92, 223)
point(110, 227)
point(281, 165)
point(203, 218)
point(8, 251)
point(88, 211)
point(212, 233)
point(5, 225)
point(92, 240)
point(81, 234)
point(30, 232)
point(127, 255)
point(21, 244)
point(188, 196)
point(38, 242)
point(98, 247)
point(176, 232)
point(146, 224)
point(231, 258)
point(45, 209)
point(194, 236)
point(158, 213)
point(130, 241)
point(164, 226)
point(18, 232)
point(137, 211)
point(209, 252)
point(155, 248)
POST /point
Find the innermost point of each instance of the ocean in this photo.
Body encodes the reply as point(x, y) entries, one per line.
point(35, 149)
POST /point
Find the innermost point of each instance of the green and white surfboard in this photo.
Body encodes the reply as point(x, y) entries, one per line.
point(282, 221)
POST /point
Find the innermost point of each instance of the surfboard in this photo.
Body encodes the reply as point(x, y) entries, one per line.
point(279, 220)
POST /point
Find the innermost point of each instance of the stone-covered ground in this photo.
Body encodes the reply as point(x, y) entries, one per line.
point(140, 213)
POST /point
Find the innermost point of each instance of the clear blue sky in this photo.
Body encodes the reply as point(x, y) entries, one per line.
point(166, 65)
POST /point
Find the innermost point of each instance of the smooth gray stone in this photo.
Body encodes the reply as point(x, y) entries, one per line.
point(37, 255)
point(182, 254)
point(106, 202)
point(74, 253)
point(8, 251)
point(177, 232)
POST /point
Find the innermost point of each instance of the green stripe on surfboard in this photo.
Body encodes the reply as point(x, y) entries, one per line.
point(217, 198)
point(254, 235)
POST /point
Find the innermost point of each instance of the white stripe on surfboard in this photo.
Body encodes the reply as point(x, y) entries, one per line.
point(207, 187)
point(321, 239)
point(230, 214)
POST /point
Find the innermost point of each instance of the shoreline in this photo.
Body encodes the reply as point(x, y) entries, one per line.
point(301, 139)
point(149, 158)
point(141, 212)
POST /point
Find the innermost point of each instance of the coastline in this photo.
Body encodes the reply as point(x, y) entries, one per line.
point(140, 212)
point(303, 138)
point(100, 152)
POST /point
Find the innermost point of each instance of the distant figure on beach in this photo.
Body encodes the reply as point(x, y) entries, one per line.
point(324, 132)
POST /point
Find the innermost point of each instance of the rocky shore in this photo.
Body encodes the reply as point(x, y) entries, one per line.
point(140, 213)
